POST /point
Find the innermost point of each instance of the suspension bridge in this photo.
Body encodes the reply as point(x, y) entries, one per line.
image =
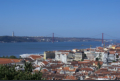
point(97, 36)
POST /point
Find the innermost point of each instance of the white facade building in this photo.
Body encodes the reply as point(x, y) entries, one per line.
point(61, 56)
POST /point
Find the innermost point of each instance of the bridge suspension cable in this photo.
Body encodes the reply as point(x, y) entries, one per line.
point(112, 36)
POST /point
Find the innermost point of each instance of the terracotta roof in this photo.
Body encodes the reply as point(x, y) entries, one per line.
point(45, 62)
point(102, 76)
point(96, 62)
point(44, 70)
point(110, 49)
point(112, 52)
point(68, 69)
point(100, 47)
point(75, 66)
point(115, 73)
point(106, 72)
point(82, 62)
point(7, 60)
point(70, 78)
point(86, 60)
point(101, 70)
point(35, 56)
point(106, 77)
point(117, 47)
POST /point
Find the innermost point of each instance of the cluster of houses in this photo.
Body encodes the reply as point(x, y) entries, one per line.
point(78, 64)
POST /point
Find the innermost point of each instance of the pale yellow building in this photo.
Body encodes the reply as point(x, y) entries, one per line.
point(113, 46)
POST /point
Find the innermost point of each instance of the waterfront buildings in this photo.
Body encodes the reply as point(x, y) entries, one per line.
point(68, 64)
point(68, 55)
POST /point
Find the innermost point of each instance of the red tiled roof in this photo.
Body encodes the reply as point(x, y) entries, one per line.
point(45, 62)
point(70, 78)
point(75, 66)
point(86, 60)
point(96, 62)
point(117, 47)
point(100, 48)
point(35, 56)
point(112, 52)
point(83, 62)
point(7, 60)
point(102, 76)
point(68, 69)
point(106, 77)
point(44, 70)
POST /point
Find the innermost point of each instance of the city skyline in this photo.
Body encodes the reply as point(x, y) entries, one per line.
point(80, 18)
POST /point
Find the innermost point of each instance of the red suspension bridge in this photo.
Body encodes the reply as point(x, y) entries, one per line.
point(98, 35)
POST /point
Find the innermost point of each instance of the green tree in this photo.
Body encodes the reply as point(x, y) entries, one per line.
point(3, 56)
point(117, 56)
point(114, 61)
point(13, 57)
point(9, 73)
point(73, 60)
point(19, 57)
point(7, 57)
point(99, 65)
point(85, 55)
point(82, 59)
point(28, 67)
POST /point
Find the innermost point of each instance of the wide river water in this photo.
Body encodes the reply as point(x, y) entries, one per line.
point(17, 49)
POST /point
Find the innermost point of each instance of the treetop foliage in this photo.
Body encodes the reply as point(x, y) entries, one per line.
point(10, 73)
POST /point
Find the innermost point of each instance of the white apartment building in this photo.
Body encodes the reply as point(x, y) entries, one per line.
point(61, 56)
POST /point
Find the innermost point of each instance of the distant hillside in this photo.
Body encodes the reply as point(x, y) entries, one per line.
point(43, 39)
point(15, 39)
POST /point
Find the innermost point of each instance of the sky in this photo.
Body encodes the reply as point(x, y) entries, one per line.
point(64, 18)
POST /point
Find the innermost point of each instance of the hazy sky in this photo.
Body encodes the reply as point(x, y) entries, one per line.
point(67, 18)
